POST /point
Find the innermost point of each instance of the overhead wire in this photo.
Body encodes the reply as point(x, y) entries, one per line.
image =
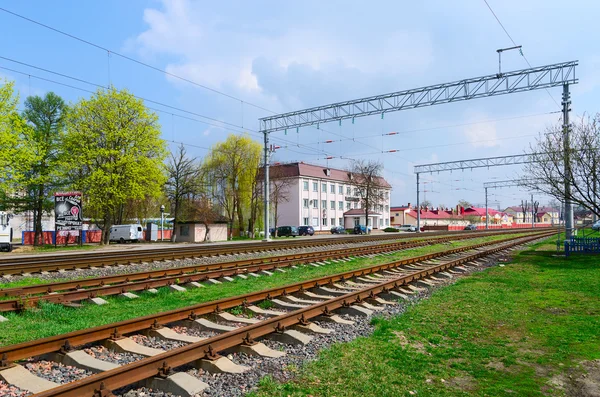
point(515, 44)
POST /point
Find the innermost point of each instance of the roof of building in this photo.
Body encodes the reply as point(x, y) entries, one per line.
point(289, 170)
point(360, 211)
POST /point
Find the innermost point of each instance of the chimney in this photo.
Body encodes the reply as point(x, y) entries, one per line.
point(409, 206)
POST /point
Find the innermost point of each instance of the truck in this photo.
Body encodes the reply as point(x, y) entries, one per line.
point(6, 233)
point(126, 233)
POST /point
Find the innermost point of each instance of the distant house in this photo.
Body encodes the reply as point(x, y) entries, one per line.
point(544, 215)
point(407, 215)
point(195, 231)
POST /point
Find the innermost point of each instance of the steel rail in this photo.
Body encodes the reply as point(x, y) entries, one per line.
point(162, 364)
point(82, 289)
point(76, 338)
point(49, 263)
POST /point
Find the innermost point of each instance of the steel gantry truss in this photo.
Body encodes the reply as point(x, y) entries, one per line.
point(559, 74)
point(502, 184)
point(462, 90)
point(474, 163)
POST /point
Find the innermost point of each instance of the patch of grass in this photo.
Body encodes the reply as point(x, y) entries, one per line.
point(49, 319)
point(507, 330)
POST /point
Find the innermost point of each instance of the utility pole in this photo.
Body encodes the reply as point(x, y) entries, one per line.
point(567, 159)
point(266, 198)
point(418, 207)
point(532, 212)
point(486, 209)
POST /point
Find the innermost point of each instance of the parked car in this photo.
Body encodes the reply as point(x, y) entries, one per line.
point(286, 231)
point(338, 230)
point(596, 225)
point(306, 230)
point(361, 229)
point(407, 228)
point(470, 227)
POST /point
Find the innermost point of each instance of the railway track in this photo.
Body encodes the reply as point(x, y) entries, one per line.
point(54, 263)
point(69, 292)
point(356, 293)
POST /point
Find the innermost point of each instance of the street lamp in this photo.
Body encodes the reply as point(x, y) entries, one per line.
point(162, 221)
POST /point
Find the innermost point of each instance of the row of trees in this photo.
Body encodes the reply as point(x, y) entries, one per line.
point(107, 146)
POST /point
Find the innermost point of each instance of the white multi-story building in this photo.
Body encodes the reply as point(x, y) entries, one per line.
point(323, 197)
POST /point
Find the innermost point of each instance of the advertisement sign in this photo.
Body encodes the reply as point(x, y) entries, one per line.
point(67, 212)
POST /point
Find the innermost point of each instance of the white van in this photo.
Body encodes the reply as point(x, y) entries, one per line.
point(123, 233)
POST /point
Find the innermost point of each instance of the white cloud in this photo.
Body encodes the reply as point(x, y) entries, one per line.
point(238, 56)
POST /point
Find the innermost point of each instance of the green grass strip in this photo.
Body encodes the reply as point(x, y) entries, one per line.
point(51, 319)
point(516, 330)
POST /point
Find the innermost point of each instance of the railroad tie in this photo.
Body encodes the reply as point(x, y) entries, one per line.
point(235, 319)
point(80, 359)
point(20, 377)
point(128, 295)
point(212, 281)
point(168, 334)
point(286, 305)
point(264, 312)
point(317, 296)
point(258, 349)
point(209, 325)
point(180, 384)
point(127, 345)
point(221, 365)
point(98, 301)
point(290, 337)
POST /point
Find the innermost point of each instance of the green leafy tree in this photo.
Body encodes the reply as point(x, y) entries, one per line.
point(232, 166)
point(16, 157)
point(113, 153)
point(46, 117)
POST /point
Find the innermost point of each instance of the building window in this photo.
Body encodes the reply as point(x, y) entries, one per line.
point(354, 204)
point(387, 195)
point(305, 201)
point(332, 205)
point(316, 205)
point(305, 221)
point(340, 221)
point(340, 205)
point(315, 222)
point(324, 221)
point(348, 190)
point(315, 187)
point(324, 204)
point(348, 205)
point(397, 214)
point(324, 187)
point(305, 185)
point(355, 192)
point(332, 188)
point(387, 222)
point(380, 222)
point(356, 221)
point(387, 208)
point(184, 230)
point(332, 221)
point(341, 189)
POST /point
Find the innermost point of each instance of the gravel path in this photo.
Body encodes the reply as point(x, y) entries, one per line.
point(111, 271)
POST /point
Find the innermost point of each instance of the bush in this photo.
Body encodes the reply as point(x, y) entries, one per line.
point(390, 229)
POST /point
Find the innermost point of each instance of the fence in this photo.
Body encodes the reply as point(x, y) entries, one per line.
point(501, 226)
point(585, 245)
point(88, 236)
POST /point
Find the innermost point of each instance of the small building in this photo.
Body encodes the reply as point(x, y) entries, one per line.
point(544, 215)
point(195, 231)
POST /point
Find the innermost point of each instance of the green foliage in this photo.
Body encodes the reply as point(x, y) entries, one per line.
point(113, 152)
point(390, 229)
point(16, 157)
point(233, 166)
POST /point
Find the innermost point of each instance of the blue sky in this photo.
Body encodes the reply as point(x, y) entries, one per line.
point(285, 56)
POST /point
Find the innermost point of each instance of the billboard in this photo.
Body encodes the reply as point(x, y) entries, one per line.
point(67, 212)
